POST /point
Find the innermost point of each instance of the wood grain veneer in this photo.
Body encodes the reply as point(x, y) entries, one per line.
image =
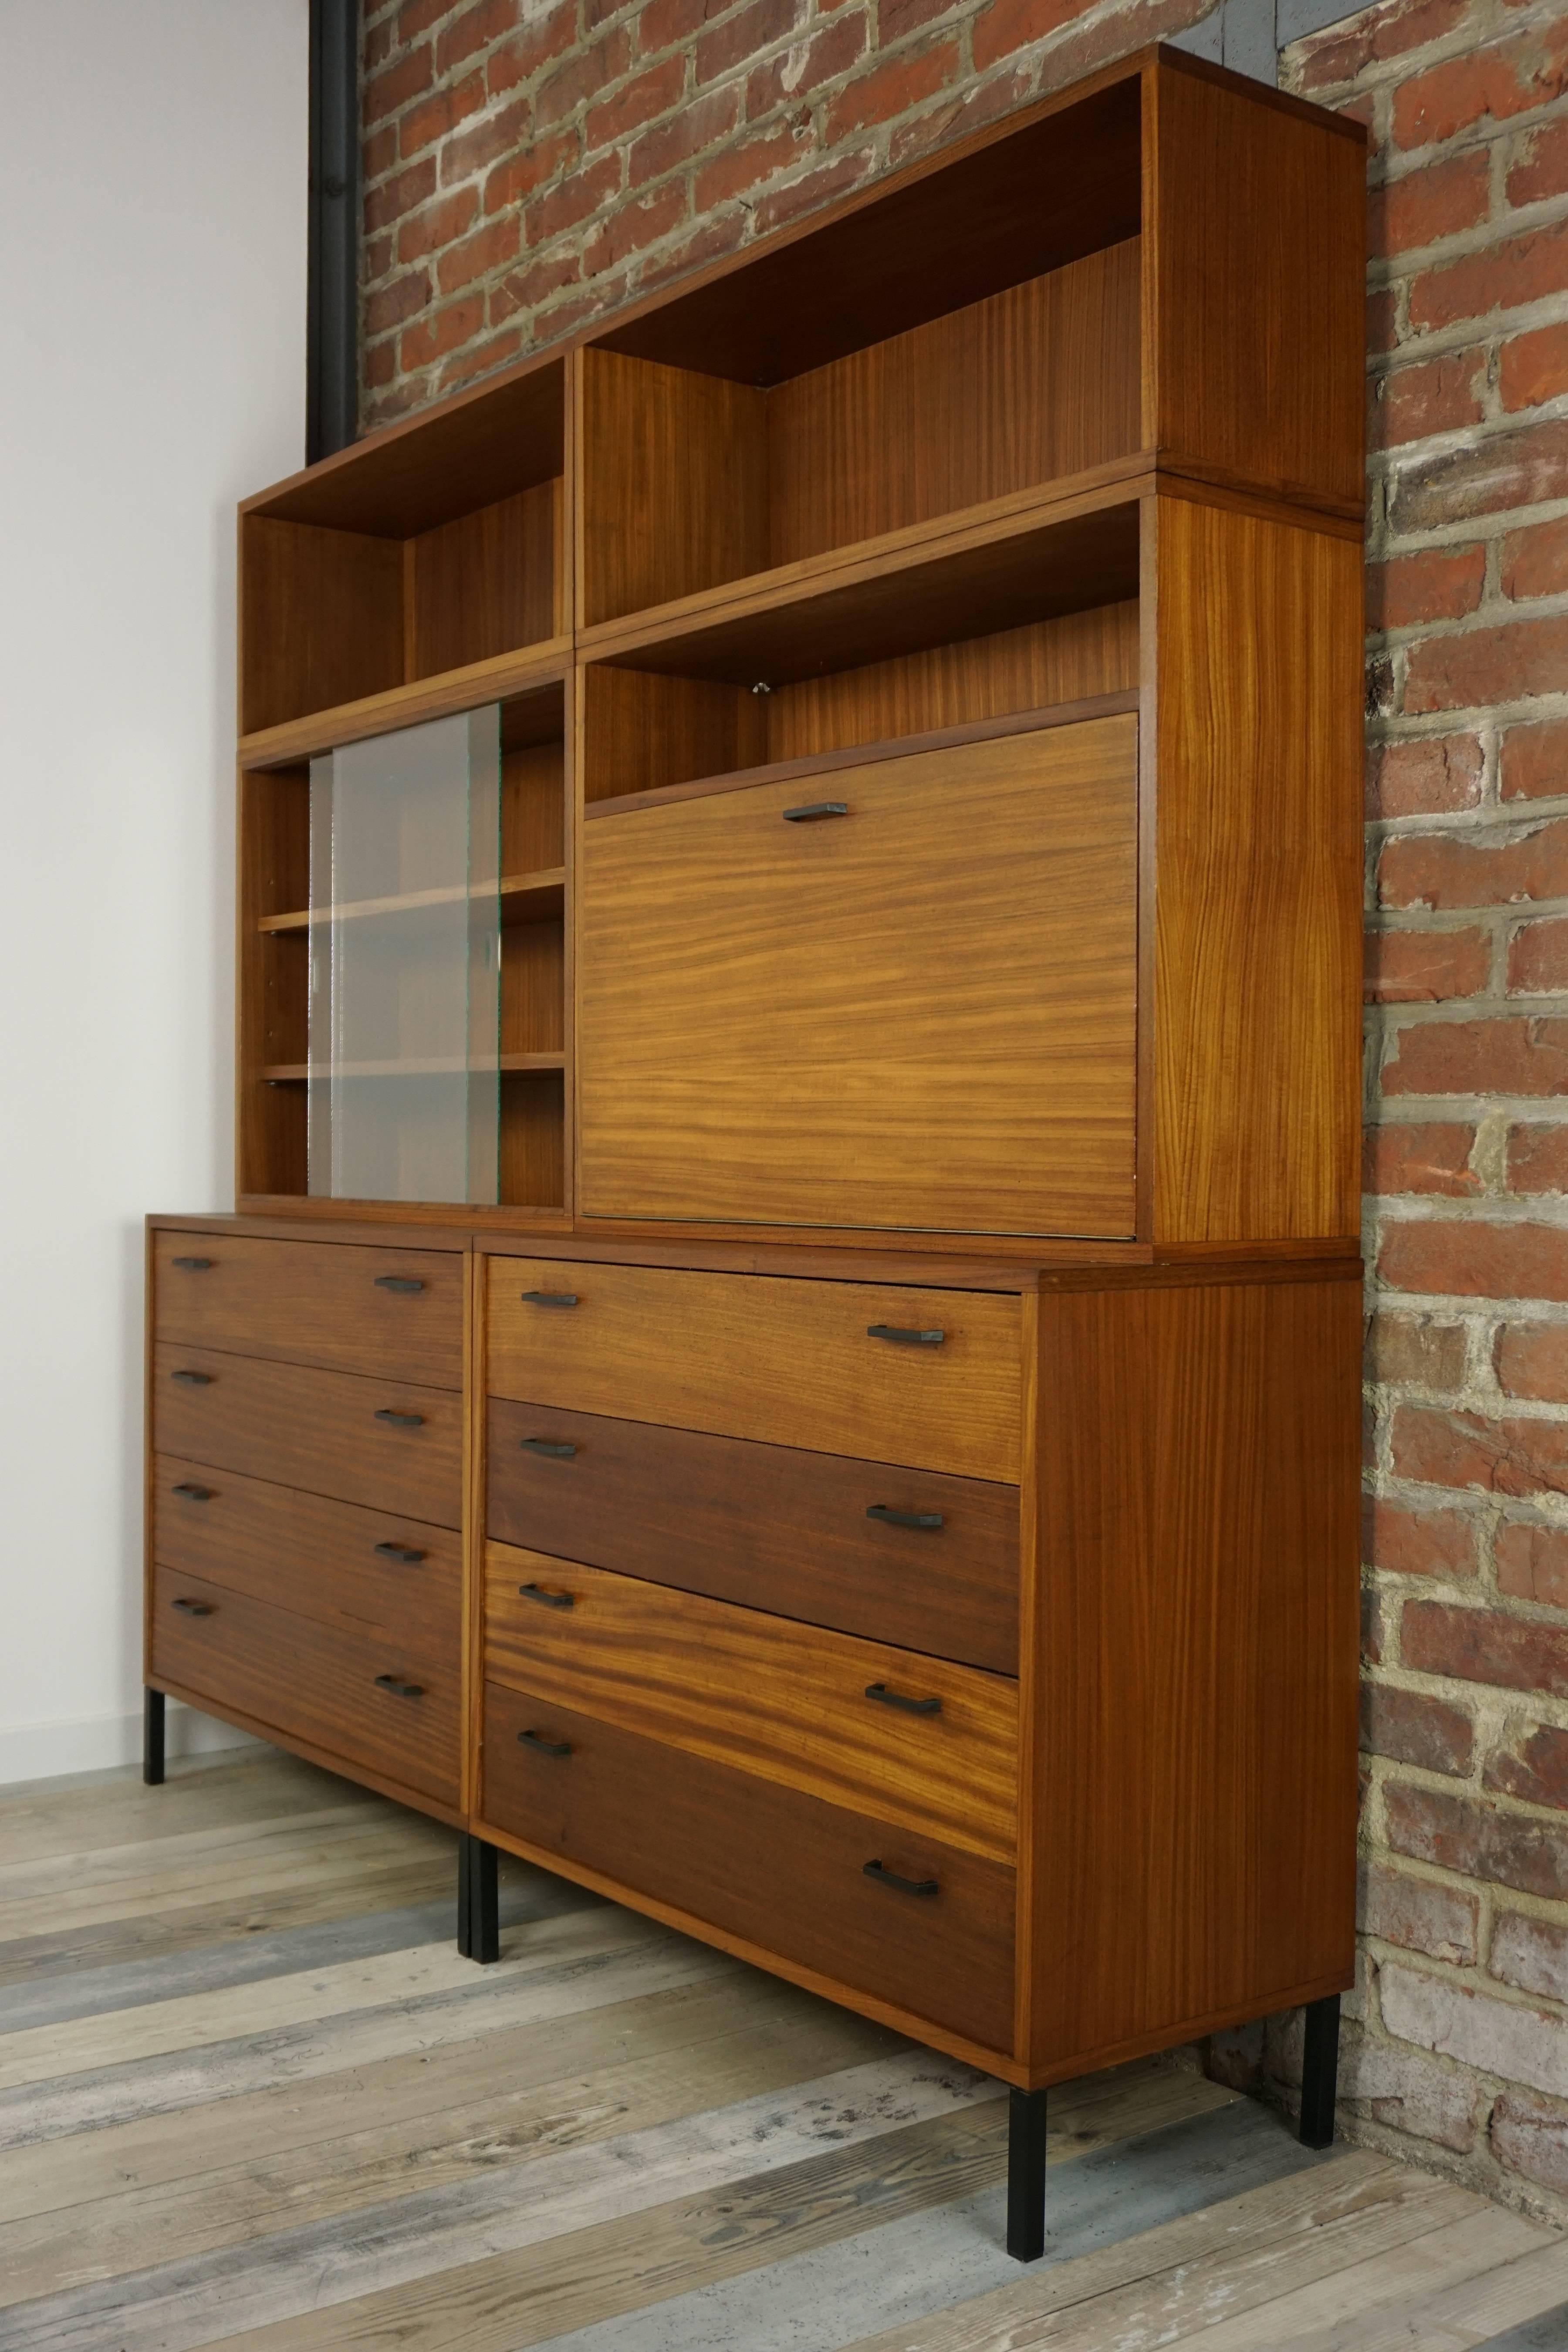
point(315, 1302)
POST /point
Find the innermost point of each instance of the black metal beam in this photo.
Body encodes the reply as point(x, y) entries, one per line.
point(332, 327)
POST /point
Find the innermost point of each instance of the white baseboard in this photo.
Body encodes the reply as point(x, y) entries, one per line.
point(94, 1743)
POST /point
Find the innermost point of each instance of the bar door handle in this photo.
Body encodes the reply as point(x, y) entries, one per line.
point(549, 1298)
point(398, 1282)
point(544, 1746)
point(548, 1448)
point(814, 811)
point(403, 1552)
point(547, 1599)
point(900, 1336)
point(192, 1379)
point(399, 1688)
point(901, 1886)
point(194, 1608)
point(193, 1265)
point(395, 1420)
point(886, 1698)
point(192, 1492)
point(891, 1519)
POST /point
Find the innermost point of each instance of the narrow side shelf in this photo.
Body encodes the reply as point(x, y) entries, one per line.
point(287, 1074)
point(526, 898)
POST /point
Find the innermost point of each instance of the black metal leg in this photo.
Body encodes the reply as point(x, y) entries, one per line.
point(479, 1902)
point(152, 1738)
point(1026, 2175)
point(1319, 2072)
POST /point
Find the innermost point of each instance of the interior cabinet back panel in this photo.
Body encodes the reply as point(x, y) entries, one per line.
point(485, 583)
point(920, 1014)
point(348, 1308)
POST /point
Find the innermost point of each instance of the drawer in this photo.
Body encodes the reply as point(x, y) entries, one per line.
point(398, 1312)
point(753, 1859)
point(331, 1561)
point(788, 1702)
point(771, 1526)
point(788, 1361)
point(922, 1016)
point(384, 1444)
point(390, 1705)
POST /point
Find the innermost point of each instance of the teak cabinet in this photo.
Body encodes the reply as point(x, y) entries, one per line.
point(868, 1471)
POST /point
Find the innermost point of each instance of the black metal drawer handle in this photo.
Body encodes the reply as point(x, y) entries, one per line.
point(398, 1282)
point(886, 1698)
point(548, 1448)
point(194, 1608)
point(403, 1552)
point(193, 1265)
point(395, 1420)
point(815, 810)
point(900, 1338)
point(399, 1688)
point(901, 1886)
point(891, 1519)
point(549, 1298)
point(537, 1740)
point(547, 1599)
point(192, 1379)
point(192, 1492)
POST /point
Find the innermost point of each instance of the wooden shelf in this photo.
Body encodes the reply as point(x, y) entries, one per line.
point(526, 898)
point(500, 679)
point(282, 1073)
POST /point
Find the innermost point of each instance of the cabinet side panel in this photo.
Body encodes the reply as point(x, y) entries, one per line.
point(1194, 1742)
point(1257, 908)
point(1258, 305)
point(322, 619)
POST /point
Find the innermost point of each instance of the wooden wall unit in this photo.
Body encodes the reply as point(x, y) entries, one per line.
point(880, 1489)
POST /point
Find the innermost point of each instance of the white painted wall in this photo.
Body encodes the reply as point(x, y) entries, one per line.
point(152, 197)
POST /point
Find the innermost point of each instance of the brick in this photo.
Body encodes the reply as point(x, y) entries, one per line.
point(1534, 1766)
point(700, 123)
point(897, 19)
point(378, 47)
point(1480, 1057)
point(1529, 2135)
point(1497, 868)
point(1482, 1645)
point(651, 92)
point(437, 225)
point(1505, 1456)
point(892, 87)
point(1535, 367)
point(1412, 1728)
point(1530, 1954)
point(1412, 1350)
point(1372, 1632)
point(1424, 1916)
point(494, 134)
point(431, 339)
point(1538, 167)
point(1474, 1838)
point(1425, 967)
point(377, 253)
point(381, 362)
point(1532, 1361)
point(963, 109)
point(1532, 1563)
point(1537, 1160)
point(813, 188)
point(1440, 583)
point(1408, 2091)
point(489, 249)
point(379, 153)
point(417, 17)
point(389, 306)
point(1469, 1258)
point(743, 166)
point(742, 36)
point(634, 227)
point(708, 242)
point(574, 198)
point(664, 22)
point(1427, 775)
point(1533, 761)
point(1426, 1156)
point(1538, 957)
point(1535, 561)
point(584, 74)
point(806, 66)
point(1439, 396)
point(1504, 277)
point(385, 92)
point(515, 179)
point(1421, 207)
point(1524, 466)
point(493, 352)
point(1404, 1542)
point(440, 113)
point(394, 197)
point(472, 29)
point(1508, 664)
point(1008, 24)
point(1375, 34)
point(1498, 81)
point(526, 289)
point(537, 43)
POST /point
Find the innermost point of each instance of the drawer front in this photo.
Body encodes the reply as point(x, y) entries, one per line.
point(390, 1705)
point(348, 1309)
point(770, 1527)
point(331, 1561)
point(384, 1444)
point(783, 1361)
point(921, 1015)
point(757, 1860)
point(785, 1701)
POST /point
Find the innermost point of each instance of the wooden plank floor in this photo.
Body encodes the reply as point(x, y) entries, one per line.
point(249, 2096)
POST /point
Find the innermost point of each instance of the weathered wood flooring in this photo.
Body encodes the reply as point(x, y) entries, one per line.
point(249, 2096)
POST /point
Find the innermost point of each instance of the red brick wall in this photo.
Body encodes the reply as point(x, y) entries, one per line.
point(528, 164)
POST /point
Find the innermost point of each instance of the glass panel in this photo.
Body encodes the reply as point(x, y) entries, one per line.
point(405, 1076)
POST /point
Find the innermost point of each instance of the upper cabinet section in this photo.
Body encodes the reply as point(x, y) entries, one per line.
point(427, 549)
